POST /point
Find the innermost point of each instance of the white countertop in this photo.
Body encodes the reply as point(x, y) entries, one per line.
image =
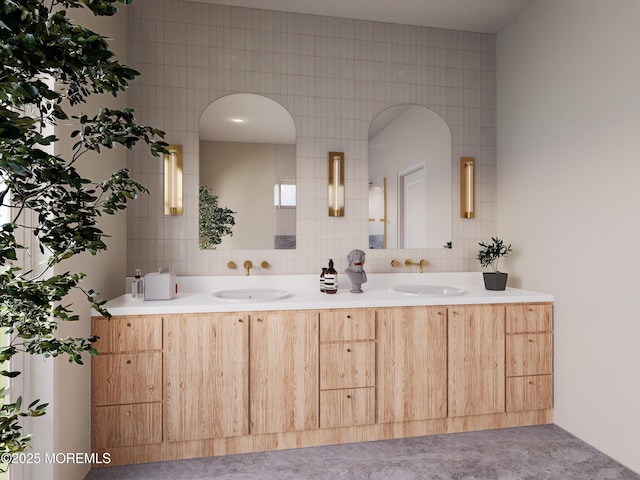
point(196, 294)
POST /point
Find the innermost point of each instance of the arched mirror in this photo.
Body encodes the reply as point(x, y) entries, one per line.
point(409, 179)
point(248, 168)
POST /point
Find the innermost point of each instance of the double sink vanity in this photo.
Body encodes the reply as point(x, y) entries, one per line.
point(245, 364)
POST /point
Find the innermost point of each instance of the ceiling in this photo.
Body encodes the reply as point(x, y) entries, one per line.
point(487, 16)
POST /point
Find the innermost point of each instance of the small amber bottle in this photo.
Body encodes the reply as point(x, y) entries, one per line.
point(331, 279)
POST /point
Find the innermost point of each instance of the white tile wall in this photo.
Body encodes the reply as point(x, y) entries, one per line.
point(333, 75)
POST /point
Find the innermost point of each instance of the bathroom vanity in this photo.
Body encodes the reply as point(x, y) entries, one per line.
point(201, 376)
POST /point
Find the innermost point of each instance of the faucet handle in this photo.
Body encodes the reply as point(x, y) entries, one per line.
point(264, 264)
point(395, 263)
point(232, 265)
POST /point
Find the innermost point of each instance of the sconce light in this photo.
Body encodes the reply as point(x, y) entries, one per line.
point(336, 184)
point(467, 187)
point(173, 180)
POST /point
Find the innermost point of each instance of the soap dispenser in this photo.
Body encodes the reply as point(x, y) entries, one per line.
point(331, 279)
point(137, 287)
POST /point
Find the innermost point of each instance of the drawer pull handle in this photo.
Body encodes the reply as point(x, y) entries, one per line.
point(530, 340)
point(128, 324)
point(239, 320)
point(128, 362)
point(348, 396)
point(128, 413)
point(348, 316)
point(530, 382)
point(348, 349)
point(260, 320)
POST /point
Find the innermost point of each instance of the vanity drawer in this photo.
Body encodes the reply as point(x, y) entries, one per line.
point(127, 378)
point(341, 325)
point(127, 425)
point(529, 354)
point(529, 318)
point(347, 365)
point(529, 393)
point(128, 333)
point(347, 407)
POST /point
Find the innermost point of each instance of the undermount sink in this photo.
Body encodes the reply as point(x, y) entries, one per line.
point(427, 290)
point(252, 295)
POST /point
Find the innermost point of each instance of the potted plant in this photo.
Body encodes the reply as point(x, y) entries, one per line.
point(488, 256)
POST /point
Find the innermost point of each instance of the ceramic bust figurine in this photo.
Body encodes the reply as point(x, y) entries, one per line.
point(355, 270)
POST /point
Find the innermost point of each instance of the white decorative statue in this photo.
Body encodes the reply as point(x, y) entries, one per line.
point(355, 270)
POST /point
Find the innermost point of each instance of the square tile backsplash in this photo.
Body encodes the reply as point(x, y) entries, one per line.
point(333, 75)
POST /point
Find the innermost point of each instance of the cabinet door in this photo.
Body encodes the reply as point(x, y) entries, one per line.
point(529, 318)
point(476, 360)
point(412, 364)
point(127, 425)
point(344, 324)
point(131, 333)
point(205, 372)
point(529, 354)
point(127, 378)
point(347, 407)
point(284, 372)
point(347, 365)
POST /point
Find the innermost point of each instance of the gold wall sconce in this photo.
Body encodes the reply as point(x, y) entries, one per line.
point(173, 180)
point(336, 184)
point(467, 187)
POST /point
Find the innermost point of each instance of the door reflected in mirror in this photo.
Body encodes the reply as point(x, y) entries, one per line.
point(248, 162)
point(410, 203)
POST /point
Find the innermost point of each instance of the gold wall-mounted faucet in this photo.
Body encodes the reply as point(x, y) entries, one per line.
point(248, 265)
point(422, 263)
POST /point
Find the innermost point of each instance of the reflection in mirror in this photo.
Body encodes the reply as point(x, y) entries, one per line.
point(248, 160)
point(409, 179)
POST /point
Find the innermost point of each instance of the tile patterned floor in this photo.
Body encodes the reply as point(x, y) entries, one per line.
point(531, 453)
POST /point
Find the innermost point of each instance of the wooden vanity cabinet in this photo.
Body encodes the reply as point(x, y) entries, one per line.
point(284, 371)
point(127, 382)
point(206, 388)
point(347, 368)
point(529, 357)
point(192, 385)
point(412, 363)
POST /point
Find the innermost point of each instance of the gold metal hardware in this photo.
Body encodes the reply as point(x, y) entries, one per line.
point(128, 362)
point(422, 263)
point(530, 341)
point(128, 324)
point(232, 265)
point(173, 180)
point(467, 187)
point(248, 265)
point(348, 396)
point(348, 349)
point(395, 263)
point(336, 184)
point(264, 264)
point(240, 320)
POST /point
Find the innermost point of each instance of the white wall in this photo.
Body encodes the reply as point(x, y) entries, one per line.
point(568, 172)
point(68, 419)
point(334, 76)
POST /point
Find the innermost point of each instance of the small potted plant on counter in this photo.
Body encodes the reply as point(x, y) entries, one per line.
point(488, 256)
